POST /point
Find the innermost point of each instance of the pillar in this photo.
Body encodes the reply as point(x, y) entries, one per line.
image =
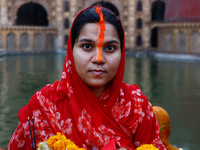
point(59, 21)
point(4, 35)
point(146, 27)
point(31, 35)
point(3, 13)
point(131, 23)
point(174, 40)
point(187, 33)
point(18, 35)
point(165, 41)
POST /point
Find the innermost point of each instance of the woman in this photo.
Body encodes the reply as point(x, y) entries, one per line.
point(91, 105)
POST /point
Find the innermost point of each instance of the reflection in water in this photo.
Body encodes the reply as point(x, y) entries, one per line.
point(172, 85)
point(20, 78)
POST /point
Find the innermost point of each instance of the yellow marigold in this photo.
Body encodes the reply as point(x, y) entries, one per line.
point(147, 147)
point(60, 142)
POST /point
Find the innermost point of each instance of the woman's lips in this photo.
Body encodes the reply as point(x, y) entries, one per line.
point(97, 71)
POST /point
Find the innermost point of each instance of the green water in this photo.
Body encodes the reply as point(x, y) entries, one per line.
point(171, 84)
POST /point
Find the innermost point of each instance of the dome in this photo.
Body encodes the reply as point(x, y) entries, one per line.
point(182, 11)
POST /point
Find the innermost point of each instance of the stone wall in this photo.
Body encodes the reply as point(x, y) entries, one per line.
point(182, 38)
point(61, 14)
point(28, 39)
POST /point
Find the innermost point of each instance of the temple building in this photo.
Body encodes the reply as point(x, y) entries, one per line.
point(180, 31)
point(151, 25)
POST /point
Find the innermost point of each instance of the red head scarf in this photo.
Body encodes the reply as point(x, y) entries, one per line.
point(70, 76)
point(82, 99)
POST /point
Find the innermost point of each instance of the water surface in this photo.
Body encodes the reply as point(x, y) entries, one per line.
point(171, 84)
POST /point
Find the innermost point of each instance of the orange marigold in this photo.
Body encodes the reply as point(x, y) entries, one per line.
point(147, 147)
point(60, 142)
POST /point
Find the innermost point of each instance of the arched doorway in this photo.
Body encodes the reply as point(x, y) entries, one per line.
point(154, 37)
point(139, 41)
point(50, 45)
point(157, 11)
point(32, 14)
point(11, 44)
point(66, 23)
point(25, 42)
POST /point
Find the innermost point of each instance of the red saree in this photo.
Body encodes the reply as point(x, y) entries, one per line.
point(122, 113)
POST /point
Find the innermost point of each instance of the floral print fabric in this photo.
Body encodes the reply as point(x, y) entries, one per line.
point(129, 113)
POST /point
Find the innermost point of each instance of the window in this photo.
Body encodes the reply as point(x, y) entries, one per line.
point(158, 10)
point(66, 6)
point(139, 6)
point(139, 40)
point(66, 23)
point(66, 37)
point(139, 23)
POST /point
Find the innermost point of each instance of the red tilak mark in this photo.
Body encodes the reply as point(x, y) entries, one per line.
point(102, 29)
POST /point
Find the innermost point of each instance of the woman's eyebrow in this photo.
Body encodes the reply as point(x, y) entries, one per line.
point(85, 40)
point(89, 40)
point(112, 41)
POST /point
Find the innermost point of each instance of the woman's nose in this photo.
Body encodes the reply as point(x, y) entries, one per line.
point(98, 57)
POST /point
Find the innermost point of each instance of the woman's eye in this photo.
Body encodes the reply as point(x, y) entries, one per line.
point(87, 46)
point(110, 48)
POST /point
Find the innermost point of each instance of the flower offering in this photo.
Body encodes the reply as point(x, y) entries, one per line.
point(58, 142)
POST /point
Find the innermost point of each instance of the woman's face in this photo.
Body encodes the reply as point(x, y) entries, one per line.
point(97, 73)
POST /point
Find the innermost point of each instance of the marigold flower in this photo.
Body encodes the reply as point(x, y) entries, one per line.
point(59, 142)
point(147, 147)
